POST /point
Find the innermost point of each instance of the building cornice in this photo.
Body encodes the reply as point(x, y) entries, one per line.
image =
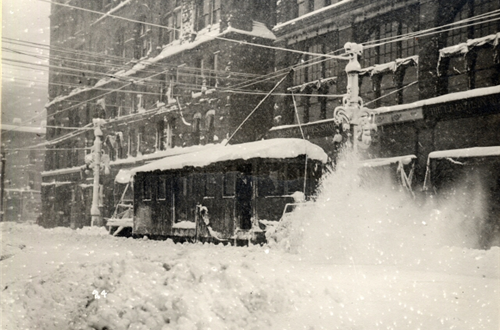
point(334, 17)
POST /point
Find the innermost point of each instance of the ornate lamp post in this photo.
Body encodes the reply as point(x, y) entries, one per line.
point(352, 113)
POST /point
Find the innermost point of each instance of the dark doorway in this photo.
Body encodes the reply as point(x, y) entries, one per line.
point(244, 193)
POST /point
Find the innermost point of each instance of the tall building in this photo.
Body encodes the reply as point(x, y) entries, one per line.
point(21, 178)
point(429, 72)
point(162, 75)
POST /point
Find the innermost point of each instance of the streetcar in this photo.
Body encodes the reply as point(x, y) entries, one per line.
point(224, 193)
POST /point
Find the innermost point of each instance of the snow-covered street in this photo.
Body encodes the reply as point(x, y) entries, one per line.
point(49, 278)
point(354, 259)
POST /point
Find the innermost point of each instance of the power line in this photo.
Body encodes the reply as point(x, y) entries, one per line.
point(106, 57)
point(174, 29)
point(302, 52)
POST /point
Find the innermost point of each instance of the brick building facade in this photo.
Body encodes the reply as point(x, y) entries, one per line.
point(165, 74)
point(431, 89)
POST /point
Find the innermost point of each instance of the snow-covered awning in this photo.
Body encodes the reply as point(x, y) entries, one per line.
point(390, 66)
point(272, 149)
point(465, 47)
point(405, 160)
point(313, 84)
point(466, 153)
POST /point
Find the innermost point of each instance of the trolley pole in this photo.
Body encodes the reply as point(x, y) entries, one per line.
point(94, 211)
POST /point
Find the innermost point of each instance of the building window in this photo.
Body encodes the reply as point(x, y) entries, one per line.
point(173, 23)
point(209, 13)
point(229, 183)
point(477, 67)
point(196, 128)
point(310, 5)
point(140, 139)
point(142, 39)
point(305, 6)
point(315, 71)
point(165, 134)
point(113, 143)
point(120, 43)
point(389, 51)
point(32, 157)
point(147, 190)
point(162, 188)
point(210, 185)
point(271, 180)
point(130, 142)
point(210, 125)
point(31, 180)
point(393, 83)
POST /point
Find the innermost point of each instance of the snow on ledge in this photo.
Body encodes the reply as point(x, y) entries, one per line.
point(313, 13)
point(258, 30)
point(184, 225)
point(442, 99)
point(466, 153)
point(387, 161)
point(25, 129)
point(113, 10)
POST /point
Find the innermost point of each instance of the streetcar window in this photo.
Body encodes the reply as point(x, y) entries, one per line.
point(162, 188)
point(147, 190)
point(229, 183)
point(210, 185)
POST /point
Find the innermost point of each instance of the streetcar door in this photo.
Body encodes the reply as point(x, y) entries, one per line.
point(244, 193)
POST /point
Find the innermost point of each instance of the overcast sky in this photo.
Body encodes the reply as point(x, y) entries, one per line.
point(24, 90)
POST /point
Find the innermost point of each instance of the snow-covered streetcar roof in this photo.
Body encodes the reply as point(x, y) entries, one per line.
point(467, 152)
point(387, 161)
point(273, 148)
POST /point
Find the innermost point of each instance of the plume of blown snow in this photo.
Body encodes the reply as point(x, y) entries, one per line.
point(366, 218)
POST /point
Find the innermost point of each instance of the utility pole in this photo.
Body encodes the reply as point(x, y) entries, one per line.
point(94, 211)
point(2, 186)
